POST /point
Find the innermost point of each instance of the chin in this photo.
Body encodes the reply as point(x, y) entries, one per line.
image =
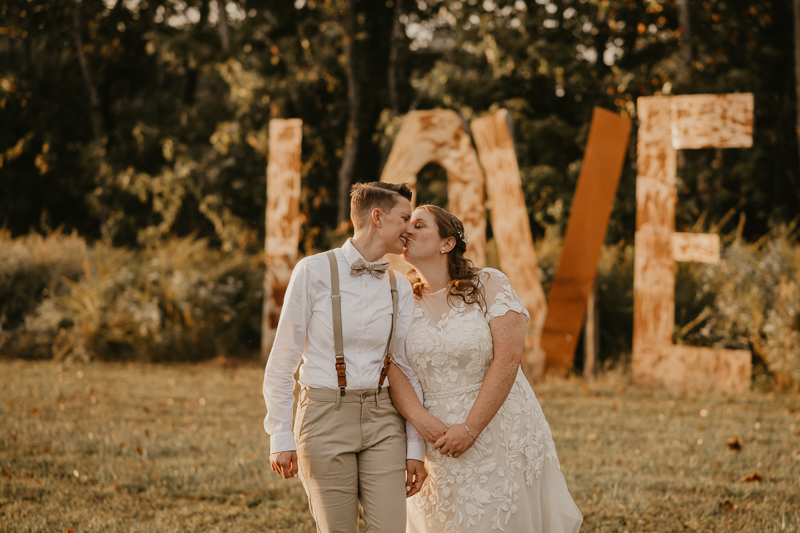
point(410, 260)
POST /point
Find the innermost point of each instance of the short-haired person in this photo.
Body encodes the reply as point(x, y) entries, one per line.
point(348, 443)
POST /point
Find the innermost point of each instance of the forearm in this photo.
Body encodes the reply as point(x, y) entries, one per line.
point(404, 397)
point(494, 391)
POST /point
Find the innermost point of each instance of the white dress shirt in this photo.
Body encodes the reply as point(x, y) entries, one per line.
point(305, 337)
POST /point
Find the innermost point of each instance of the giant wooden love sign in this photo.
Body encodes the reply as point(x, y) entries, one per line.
point(666, 124)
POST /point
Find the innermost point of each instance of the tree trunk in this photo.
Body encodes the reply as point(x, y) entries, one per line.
point(94, 100)
point(685, 41)
point(397, 35)
point(222, 26)
point(350, 149)
point(797, 64)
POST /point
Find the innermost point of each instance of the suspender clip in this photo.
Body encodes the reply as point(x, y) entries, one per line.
point(341, 391)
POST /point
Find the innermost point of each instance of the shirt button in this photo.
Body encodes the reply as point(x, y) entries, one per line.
point(365, 284)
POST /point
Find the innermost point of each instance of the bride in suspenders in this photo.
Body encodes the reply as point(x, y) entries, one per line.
point(343, 324)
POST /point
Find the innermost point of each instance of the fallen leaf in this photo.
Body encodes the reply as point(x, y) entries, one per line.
point(734, 444)
point(34, 412)
point(755, 476)
point(139, 450)
point(47, 448)
point(727, 506)
point(146, 409)
point(69, 530)
point(122, 445)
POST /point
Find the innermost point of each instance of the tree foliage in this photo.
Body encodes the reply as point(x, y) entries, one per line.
point(138, 120)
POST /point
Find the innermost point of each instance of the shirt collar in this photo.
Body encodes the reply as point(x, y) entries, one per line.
point(350, 253)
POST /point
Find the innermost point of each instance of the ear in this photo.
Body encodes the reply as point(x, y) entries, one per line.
point(448, 244)
point(375, 216)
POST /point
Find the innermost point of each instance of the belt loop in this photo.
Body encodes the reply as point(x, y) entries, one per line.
point(338, 401)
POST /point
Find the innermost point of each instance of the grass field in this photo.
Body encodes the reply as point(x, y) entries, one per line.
point(135, 448)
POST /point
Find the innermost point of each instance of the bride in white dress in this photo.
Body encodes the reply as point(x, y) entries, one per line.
point(490, 455)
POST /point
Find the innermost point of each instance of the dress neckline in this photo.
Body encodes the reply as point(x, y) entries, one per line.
point(434, 292)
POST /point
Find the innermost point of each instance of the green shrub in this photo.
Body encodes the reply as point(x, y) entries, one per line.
point(749, 300)
point(31, 268)
point(178, 300)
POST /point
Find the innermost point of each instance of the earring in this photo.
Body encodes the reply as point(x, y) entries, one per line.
point(442, 251)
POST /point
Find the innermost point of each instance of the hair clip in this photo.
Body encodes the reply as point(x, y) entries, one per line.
point(463, 238)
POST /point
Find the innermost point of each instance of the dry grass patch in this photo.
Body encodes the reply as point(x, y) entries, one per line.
point(112, 447)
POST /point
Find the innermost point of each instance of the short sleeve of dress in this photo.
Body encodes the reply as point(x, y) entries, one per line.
point(499, 295)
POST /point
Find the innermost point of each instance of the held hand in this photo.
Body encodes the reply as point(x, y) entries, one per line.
point(430, 428)
point(415, 476)
point(455, 442)
point(284, 463)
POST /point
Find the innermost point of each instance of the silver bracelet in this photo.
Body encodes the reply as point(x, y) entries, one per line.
point(470, 433)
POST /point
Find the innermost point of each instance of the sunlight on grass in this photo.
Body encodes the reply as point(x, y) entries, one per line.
point(112, 447)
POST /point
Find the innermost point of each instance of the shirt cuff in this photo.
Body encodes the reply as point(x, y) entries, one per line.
point(415, 449)
point(282, 442)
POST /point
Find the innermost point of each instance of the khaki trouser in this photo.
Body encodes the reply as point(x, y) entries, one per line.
point(352, 448)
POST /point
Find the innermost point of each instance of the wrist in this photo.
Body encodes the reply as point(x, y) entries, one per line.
point(472, 429)
point(419, 416)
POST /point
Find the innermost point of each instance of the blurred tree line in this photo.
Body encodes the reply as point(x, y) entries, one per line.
point(143, 123)
point(132, 120)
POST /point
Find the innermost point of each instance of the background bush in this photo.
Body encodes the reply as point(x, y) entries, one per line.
point(177, 300)
point(182, 299)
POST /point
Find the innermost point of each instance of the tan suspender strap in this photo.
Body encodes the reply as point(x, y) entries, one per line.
point(387, 358)
point(336, 308)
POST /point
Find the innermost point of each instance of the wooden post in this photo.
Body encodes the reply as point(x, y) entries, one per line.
point(512, 229)
point(591, 336)
point(583, 240)
point(668, 124)
point(282, 221)
point(439, 136)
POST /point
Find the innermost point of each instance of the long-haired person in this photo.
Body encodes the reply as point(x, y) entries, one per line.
point(490, 454)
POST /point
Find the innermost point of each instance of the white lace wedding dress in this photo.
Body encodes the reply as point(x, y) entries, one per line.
point(509, 480)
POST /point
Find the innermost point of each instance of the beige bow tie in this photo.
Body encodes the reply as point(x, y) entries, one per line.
point(360, 266)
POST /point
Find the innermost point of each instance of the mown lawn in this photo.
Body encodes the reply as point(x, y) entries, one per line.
point(113, 448)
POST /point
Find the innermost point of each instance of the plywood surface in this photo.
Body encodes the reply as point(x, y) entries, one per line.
point(282, 220)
